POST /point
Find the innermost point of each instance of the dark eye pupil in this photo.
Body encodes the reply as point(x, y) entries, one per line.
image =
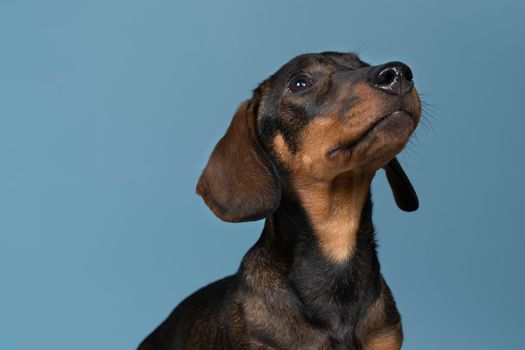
point(300, 83)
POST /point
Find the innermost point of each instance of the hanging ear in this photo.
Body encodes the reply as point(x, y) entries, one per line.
point(239, 183)
point(404, 193)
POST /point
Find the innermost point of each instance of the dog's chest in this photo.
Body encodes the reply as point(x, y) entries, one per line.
point(277, 322)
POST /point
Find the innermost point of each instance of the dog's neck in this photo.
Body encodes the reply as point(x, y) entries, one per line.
point(326, 218)
point(297, 241)
point(333, 209)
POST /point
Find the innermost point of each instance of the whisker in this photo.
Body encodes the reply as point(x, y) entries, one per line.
point(408, 152)
point(431, 114)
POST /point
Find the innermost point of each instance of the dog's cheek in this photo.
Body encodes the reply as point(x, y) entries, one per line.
point(282, 151)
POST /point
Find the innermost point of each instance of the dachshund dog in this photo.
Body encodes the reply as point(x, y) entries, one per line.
point(301, 154)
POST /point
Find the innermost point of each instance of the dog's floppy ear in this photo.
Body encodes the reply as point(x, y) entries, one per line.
point(239, 183)
point(404, 193)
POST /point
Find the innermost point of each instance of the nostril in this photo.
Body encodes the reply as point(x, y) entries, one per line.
point(393, 77)
point(387, 75)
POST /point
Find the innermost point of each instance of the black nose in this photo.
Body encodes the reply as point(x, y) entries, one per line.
point(392, 77)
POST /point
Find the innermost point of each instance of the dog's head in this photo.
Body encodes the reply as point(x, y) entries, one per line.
point(318, 117)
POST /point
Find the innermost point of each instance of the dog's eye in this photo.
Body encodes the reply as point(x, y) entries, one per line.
point(300, 83)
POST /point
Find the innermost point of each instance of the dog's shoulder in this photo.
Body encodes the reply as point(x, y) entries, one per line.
point(197, 314)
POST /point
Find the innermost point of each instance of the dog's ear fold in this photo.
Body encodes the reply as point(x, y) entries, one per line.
point(239, 183)
point(404, 193)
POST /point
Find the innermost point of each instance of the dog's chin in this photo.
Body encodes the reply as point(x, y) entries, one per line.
point(397, 124)
point(379, 144)
point(389, 136)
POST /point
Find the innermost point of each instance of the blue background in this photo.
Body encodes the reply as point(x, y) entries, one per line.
point(109, 110)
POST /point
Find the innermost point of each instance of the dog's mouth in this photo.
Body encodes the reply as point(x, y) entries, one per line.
point(394, 121)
